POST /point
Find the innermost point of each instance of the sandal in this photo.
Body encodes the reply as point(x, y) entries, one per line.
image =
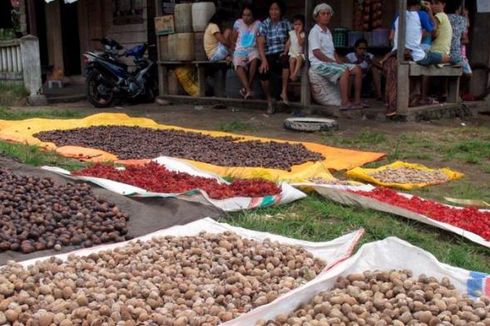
point(346, 107)
point(363, 104)
point(249, 96)
point(270, 109)
point(245, 95)
point(429, 101)
point(285, 100)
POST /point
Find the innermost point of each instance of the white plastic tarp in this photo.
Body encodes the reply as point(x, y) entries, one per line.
point(332, 252)
point(388, 254)
point(288, 193)
point(343, 195)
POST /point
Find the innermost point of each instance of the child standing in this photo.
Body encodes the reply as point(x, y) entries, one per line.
point(246, 55)
point(294, 46)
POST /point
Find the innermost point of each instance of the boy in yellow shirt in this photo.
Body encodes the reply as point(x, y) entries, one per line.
point(442, 34)
point(443, 31)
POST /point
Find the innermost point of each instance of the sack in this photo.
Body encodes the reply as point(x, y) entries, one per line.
point(288, 193)
point(187, 79)
point(323, 91)
point(391, 253)
point(340, 195)
point(366, 175)
point(333, 251)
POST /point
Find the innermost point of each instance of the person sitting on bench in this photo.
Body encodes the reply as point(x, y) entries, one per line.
point(246, 55)
point(325, 61)
point(371, 73)
point(217, 43)
point(417, 21)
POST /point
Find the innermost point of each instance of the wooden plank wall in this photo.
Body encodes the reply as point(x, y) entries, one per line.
point(343, 11)
point(96, 21)
point(127, 35)
point(53, 30)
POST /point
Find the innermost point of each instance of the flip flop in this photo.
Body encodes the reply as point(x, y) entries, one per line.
point(270, 109)
point(285, 101)
point(351, 107)
point(242, 92)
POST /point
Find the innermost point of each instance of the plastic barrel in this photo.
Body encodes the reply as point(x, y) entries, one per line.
point(201, 14)
point(183, 18)
point(181, 47)
point(164, 48)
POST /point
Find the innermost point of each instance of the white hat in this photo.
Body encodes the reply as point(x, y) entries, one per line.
point(322, 7)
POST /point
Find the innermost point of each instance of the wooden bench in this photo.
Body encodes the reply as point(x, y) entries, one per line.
point(201, 66)
point(412, 69)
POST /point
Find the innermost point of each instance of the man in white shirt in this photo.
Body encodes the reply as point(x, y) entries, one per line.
point(325, 61)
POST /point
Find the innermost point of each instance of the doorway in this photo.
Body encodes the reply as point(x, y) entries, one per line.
point(70, 38)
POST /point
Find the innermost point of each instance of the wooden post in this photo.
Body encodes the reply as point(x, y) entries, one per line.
point(158, 7)
point(305, 82)
point(162, 80)
point(31, 15)
point(453, 89)
point(201, 80)
point(162, 71)
point(403, 78)
point(402, 30)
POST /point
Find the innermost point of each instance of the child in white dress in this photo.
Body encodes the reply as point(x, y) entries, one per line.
point(294, 46)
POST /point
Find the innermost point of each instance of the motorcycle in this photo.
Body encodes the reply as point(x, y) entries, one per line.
point(107, 78)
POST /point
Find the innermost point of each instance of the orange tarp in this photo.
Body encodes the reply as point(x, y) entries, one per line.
point(335, 158)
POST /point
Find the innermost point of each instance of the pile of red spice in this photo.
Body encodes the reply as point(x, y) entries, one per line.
point(470, 219)
point(156, 178)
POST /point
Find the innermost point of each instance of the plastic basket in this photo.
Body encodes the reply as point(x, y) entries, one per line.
point(340, 37)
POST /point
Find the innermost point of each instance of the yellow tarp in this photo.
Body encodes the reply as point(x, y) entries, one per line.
point(366, 175)
point(336, 158)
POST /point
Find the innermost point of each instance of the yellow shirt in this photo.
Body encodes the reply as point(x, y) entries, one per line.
point(210, 41)
point(444, 33)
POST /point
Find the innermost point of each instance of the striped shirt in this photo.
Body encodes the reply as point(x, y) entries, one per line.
point(275, 34)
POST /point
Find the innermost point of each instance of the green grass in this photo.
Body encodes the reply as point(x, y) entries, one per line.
point(317, 219)
point(33, 155)
point(21, 114)
point(12, 94)
point(235, 126)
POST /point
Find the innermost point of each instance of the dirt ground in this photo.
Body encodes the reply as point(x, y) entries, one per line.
point(145, 215)
point(207, 117)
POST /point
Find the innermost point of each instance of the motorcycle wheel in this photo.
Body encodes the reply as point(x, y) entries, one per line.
point(98, 94)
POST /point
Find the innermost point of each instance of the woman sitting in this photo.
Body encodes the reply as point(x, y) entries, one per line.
point(217, 43)
point(325, 61)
